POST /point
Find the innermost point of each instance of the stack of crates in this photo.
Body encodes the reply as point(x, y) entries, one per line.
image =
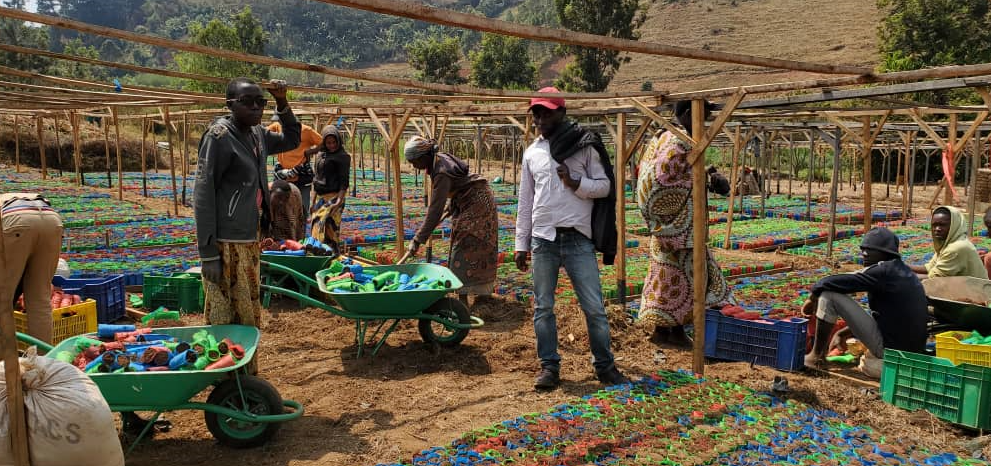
point(108, 292)
point(67, 321)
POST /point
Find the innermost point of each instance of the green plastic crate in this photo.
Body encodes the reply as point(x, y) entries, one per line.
point(960, 394)
point(181, 292)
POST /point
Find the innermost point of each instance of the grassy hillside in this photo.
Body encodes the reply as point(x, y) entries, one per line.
point(823, 31)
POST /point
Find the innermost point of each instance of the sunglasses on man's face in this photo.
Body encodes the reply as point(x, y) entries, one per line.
point(248, 101)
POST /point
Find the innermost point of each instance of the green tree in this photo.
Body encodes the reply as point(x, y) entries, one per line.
point(244, 33)
point(66, 68)
point(504, 63)
point(435, 59)
point(924, 33)
point(16, 32)
point(593, 68)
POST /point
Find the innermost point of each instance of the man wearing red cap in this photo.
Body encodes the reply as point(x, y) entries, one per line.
point(564, 171)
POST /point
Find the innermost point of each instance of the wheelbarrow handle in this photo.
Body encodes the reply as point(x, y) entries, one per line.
point(42, 346)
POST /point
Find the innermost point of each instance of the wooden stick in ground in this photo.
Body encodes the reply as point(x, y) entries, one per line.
point(120, 169)
point(41, 148)
point(620, 167)
point(168, 131)
point(17, 144)
point(15, 390)
point(700, 226)
point(144, 166)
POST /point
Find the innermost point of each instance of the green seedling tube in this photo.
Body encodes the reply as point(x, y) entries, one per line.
point(384, 278)
point(200, 335)
point(367, 288)
point(201, 364)
point(392, 287)
point(82, 343)
point(336, 267)
point(343, 284)
point(65, 356)
point(160, 314)
point(418, 278)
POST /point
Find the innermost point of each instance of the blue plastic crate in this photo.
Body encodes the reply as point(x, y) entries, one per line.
point(779, 344)
point(133, 279)
point(108, 292)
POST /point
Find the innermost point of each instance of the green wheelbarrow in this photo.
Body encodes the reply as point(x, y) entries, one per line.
point(443, 320)
point(285, 271)
point(241, 411)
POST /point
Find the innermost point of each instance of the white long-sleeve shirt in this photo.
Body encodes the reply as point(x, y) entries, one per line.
point(545, 203)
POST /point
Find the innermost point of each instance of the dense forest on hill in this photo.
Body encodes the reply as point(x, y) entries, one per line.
point(302, 30)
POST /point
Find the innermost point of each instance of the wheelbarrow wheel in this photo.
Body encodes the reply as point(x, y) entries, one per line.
point(435, 332)
point(260, 398)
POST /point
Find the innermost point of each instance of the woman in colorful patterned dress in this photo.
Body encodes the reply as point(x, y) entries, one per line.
point(664, 193)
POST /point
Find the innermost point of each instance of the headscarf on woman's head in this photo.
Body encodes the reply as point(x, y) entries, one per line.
point(331, 130)
point(418, 147)
point(958, 226)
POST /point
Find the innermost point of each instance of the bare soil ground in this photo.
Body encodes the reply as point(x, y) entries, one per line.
point(413, 396)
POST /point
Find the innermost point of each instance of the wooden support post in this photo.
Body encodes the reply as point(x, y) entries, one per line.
point(17, 144)
point(834, 192)
point(185, 154)
point(120, 169)
point(732, 192)
point(975, 164)
point(17, 419)
point(397, 132)
point(516, 150)
point(478, 148)
point(700, 225)
point(41, 147)
point(144, 165)
point(168, 130)
point(58, 149)
point(811, 167)
point(621, 208)
point(791, 161)
point(354, 173)
point(866, 145)
point(77, 151)
point(951, 142)
point(106, 149)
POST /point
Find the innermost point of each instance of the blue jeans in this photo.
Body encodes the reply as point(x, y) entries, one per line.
point(577, 254)
point(305, 192)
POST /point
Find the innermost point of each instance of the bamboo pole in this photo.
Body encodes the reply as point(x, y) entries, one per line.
point(120, 169)
point(168, 132)
point(17, 144)
point(621, 208)
point(144, 166)
point(700, 225)
point(41, 148)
